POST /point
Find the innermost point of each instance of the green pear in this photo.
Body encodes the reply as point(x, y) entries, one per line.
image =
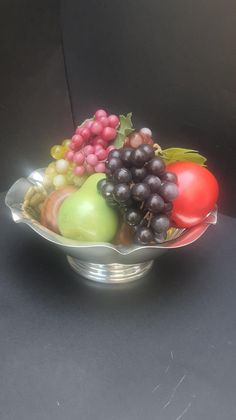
point(85, 215)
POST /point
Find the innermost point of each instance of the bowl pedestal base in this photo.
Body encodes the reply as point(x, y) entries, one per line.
point(110, 273)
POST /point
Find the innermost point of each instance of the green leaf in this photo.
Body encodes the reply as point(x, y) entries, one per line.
point(174, 154)
point(125, 128)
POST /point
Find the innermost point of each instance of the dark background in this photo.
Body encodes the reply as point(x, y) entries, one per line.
point(172, 63)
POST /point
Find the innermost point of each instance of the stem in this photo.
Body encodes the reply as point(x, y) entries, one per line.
point(150, 219)
point(158, 149)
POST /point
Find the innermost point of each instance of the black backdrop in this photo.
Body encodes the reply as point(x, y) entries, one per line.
point(34, 105)
point(172, 63)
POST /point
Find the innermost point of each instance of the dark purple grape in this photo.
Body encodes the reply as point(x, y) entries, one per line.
point(115, 153)
point(169, 191)
point(122, 176)
point(156, 166)
point(160, 237)
point(109, 175)
point(113, 163)
point(126, 156)
point(155, 203)
point(133, 217)
point(153, 182)
point(143, 235)
point(168, 208)
point(148, 150)
point(121, 193)
point(138, 158)
point(160, 223)
point(101, 184)
point(107, 190)
point(138, 174)
point(140, 192)
point(170, 177)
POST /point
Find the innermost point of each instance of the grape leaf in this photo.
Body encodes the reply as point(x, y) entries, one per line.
point(125, 128)
point(174, 154)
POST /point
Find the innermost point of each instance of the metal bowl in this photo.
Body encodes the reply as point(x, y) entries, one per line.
point(101, 262)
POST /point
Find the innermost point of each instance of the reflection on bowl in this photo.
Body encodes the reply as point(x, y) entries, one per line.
point(102, 262)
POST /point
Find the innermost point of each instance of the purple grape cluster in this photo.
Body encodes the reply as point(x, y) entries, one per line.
point(138, 184)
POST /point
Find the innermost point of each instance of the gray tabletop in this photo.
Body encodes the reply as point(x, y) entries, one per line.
point(164, 348)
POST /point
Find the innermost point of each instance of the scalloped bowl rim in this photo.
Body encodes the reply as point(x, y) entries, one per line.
point(186, 237)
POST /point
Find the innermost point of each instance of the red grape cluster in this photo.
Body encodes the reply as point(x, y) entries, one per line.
point(89, 146)
point(139, 185)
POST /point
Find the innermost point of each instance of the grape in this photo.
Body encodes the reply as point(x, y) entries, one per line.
point(113, 164)
point(148, 150)
point(101, 184)
point(134, 140)
point(144, 235)
point(100, 167)
point(155, 203)
point(66, 143)
point(109, 174)
point(79, 170)
point(108, 133)
point(62, 166)
point(122, 176)
point(96, 127)
point(92, 160)
point(169, 176)
point(69, 155)
point(85, 133)
point(78, 158)
point(98, 141)
point(138, 157)
point(88, 150)
point(146, 131)
point(138, 174)
point(97, 147)
point(111, 147)
point(168, 207)
point(101, 153)
point(121, 192)
point(160, 237)
point(50, 171)
point(104, 121)
point(156, 166)
point(107, 190)
point(126, 156)
point(89, 168)
point(153, 182)
point(57, 152)
point(59, 181)
point(78, 140)
point(114, 153)
point(140, 192)
point(160, 223)
point(169, 191)
point(78, 130)
point(133, 217)
point(88, 124)
point(100, 113)
point(113, 121)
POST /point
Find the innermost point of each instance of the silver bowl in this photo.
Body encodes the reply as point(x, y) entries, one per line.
point(101, 261)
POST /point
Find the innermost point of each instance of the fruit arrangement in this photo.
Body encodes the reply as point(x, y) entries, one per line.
point(112, 183)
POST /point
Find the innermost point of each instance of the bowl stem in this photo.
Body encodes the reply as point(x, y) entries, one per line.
point(110, 273)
